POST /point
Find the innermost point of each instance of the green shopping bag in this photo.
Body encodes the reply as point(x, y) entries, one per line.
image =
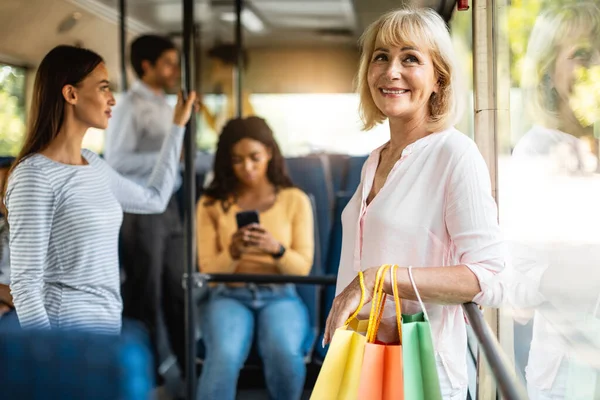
point(421, 381)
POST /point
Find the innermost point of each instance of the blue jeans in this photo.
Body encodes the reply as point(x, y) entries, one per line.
point(232, 318)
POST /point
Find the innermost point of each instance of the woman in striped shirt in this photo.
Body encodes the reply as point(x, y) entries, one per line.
point(65, 204)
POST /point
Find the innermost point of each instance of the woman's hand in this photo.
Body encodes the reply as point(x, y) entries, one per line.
point(183, 109)
point(346, 303)
point(4, 308)
point(239, 242)
point(262, 240)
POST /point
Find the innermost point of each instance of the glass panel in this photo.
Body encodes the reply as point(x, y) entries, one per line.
point(462, 38)
point(305, 123)
point(549, 189)
point(12, 109)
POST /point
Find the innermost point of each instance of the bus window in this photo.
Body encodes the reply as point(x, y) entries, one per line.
point(12, 109)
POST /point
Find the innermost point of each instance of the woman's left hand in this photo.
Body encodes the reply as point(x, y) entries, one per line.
point(346, 303)
point(262, 240)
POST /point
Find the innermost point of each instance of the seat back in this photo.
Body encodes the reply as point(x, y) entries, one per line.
point(312, 174)
point(58, 364)
point(333, 260)
point(355, 165)
point(311, 294)
point(6, 160)
point(339, 171)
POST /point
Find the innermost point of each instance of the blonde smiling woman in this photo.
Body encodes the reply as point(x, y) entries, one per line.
point(425, 196)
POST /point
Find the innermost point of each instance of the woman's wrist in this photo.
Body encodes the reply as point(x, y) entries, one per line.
point(235, 255)
point(278, 253)
point(400, 277)
point(387, 282)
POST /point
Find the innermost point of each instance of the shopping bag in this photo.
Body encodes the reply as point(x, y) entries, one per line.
point(381, 376)
point(340, 373)
point(403, 371)
point(421, 380)
point(356, 367)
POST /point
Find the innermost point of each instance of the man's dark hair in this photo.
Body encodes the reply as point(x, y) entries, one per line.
point(227, 53)
point(148, 48)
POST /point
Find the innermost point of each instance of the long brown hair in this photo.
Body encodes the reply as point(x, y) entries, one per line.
point(63, 65)
point(225, 183)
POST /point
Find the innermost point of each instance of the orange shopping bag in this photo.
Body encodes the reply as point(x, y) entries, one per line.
point(381, 376)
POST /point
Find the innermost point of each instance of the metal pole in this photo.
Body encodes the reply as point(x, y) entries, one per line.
point(240, 57)
point(189, 183)
point(122, 41)
point(502, 370)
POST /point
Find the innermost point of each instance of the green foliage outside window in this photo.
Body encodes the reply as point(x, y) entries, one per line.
point(12, 109)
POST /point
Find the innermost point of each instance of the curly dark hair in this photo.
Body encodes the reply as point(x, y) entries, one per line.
point(224, 185)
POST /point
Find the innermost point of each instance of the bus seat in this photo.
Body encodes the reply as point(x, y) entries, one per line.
point(333, 261)
point(60, 364)
point(6, 160)
point(339, 171)
point(355, 165)
point(312, 174)
point(311, 294)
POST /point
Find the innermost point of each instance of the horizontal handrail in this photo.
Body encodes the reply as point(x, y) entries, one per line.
point(504, 373)
point(201, 279)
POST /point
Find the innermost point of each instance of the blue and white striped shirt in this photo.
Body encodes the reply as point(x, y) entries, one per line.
point(64, 229)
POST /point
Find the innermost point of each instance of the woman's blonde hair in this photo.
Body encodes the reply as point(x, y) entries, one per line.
point(416, 27)
point(554, 28)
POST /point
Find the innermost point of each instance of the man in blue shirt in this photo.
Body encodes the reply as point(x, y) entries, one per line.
point(151, 244)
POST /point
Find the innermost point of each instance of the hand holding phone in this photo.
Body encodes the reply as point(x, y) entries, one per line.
point(240, 239)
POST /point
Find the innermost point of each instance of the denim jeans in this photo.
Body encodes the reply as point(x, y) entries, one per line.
point(232, 319)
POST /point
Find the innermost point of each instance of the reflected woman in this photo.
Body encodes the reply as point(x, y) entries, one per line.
point(552, 199)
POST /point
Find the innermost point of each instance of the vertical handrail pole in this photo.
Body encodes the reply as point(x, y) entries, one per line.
point(122, 42)
point(239, 45)
point(189, 183)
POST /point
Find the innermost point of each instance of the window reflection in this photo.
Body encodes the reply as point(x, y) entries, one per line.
point(550, 201)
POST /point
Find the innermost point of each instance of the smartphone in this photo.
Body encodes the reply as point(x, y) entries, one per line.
point(245, 218)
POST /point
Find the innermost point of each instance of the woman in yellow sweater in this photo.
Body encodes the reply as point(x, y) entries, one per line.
point(250, 175)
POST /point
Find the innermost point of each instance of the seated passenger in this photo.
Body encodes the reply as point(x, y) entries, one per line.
point(249, 174)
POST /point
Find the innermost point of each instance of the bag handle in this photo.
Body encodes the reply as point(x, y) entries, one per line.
point(397, 302)
point(361, 303)
point(412, 281)
point(377, 305)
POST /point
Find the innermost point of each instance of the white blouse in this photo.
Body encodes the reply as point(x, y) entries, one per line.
point(435, 209)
